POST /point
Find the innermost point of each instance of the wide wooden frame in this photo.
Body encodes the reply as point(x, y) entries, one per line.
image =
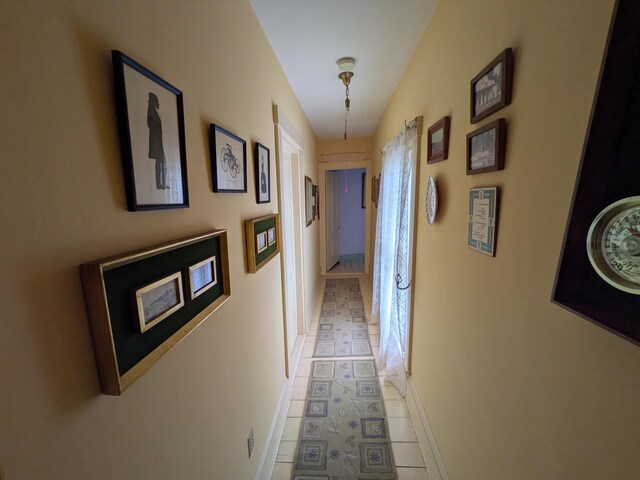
point(505, 58)
point(444, 125)
point(251, 230)
point(140, 306)
point(308, 200)
point(499, 147)
point(95, 293)
point(261, 149)
point(132, 134)
point(189, 274)
point(492, 196)
point(223, 154)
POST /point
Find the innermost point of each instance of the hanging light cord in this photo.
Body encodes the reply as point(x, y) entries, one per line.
point(347, 105)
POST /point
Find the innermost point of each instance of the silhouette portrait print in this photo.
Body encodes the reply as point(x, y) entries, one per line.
point(156, 148)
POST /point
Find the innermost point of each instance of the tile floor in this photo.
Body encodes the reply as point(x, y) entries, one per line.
point(406, 451)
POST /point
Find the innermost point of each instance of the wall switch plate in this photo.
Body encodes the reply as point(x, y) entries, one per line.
point(250, 442)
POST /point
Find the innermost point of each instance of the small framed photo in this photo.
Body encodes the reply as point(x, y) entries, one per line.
point(261, 242)
point(481, 233)
point(228, 160)
point(314, 200)
point(262, 164)
point(491, 88)
point(158, 300)
point(152, 141)
point(271, 236)
point(202, 276)
point(486, 148)
point(308, 200)
point(438, 141)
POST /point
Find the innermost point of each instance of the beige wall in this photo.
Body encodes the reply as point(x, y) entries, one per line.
point(63, 203)
point(337, 145)
point(514, 386)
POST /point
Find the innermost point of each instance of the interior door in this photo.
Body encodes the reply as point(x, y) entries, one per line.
point(288, 248)
point(332, 197)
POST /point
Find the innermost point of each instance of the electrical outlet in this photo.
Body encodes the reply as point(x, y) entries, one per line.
point(250, 442)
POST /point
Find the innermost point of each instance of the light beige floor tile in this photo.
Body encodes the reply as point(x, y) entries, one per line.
point(287, 450)
point(375, 340)
point(291, 429)
point(282, 471)
point(307, 351)
point(299, 393)
point(390, 393)
point(303, 371)
point(406, 454)
point(401, 430)
point(396, 408)
point(374, 329)
point(410, 474)
point(301, 381)
point(296, 408)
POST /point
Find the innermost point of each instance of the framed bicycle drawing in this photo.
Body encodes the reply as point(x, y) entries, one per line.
point(228, 160)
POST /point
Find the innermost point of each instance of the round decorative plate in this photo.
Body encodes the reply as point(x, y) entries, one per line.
point(613, 244)
point(431, 200)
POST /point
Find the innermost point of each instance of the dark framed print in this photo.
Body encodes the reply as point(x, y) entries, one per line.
point(314, 200)
point(491, 88)
point(363, 203)
point(486, 148)
point(228, 160)
point(262, 164)
point(152, 141)
point(481, 232)
point(438, 141)
point(308, 200)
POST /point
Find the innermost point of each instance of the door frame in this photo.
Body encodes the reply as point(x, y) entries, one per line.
point(287, 137)
point(323, 167)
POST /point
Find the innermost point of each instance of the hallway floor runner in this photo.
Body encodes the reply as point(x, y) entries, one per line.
point(342, 330)
point(344, 434)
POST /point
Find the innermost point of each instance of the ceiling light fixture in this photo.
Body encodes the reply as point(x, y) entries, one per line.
point(345, 67)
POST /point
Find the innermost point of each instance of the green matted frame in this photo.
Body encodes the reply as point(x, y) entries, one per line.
point(259, 255)
point(123, 353)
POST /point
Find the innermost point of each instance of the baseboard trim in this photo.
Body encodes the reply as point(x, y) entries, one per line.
point(426, 440)
point(272, 442)
point(313, 302)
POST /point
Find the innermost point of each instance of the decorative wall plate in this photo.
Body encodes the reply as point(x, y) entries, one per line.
point(613, 244)
point(431, 200)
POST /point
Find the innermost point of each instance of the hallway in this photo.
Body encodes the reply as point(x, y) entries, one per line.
point(406, 449)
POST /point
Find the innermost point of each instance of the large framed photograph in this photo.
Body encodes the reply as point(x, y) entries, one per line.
point(486, 148)
point(491, 88)
point(261, 241)
point(481, 233)
point(152, 141)
point(202, 276)
point(228, 160)
point(262, 165)
point(438, 141)
point(158, 300)
point(308, 200)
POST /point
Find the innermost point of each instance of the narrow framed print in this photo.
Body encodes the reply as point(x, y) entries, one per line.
point(152, 140)
point(481, 233)
point(271, 236)
point(261, 242)
point(228, 160)
point(202, 276)
point(262, 164)
point(438, 141)
point(491, 88)
point(308, 200)
point(314, 201)
point(363, 196)
point(158, 300)
point(486, 148)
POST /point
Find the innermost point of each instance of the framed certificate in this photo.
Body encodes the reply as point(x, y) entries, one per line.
point(483, 205)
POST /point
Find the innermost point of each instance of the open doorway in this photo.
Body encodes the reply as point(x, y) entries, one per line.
point(346, 220)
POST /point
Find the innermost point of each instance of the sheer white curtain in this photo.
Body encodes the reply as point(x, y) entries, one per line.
point(391, 258)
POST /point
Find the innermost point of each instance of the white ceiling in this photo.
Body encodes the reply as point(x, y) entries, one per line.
point(309, 36)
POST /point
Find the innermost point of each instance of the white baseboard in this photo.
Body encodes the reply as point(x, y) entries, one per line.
point(313, 302)
point(272, 442)
point(428, 446)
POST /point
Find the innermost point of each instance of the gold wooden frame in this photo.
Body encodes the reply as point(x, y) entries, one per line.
point(252, 245)
point(190, 270)
point(144, 324)
point(111, 381)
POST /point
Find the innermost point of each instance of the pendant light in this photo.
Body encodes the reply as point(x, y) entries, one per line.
point(345, 67)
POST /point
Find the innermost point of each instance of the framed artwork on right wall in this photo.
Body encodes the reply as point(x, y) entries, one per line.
point(491, 88)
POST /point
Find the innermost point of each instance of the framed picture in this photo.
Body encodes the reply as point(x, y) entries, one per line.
point(262, 164)
point(228, 160)
point(481, 234)
point(202, 276)
point(363, 191)
point(438, 141)
point(261, 241)
point(121, 312)
point(486, 148)
point(314, 200)
point(308, 200)
point(375, 189)
point(152, 142)
point(158, 300)
point(491, 88)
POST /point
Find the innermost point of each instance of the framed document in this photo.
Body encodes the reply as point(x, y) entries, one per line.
point(483, 204)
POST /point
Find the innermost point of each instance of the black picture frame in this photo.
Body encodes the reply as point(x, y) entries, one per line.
point(438, 144)
point(159, 138)
point(261, 159)
point(491, 89)
point(490, 140)
point(308, 201)
point(228, 154)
